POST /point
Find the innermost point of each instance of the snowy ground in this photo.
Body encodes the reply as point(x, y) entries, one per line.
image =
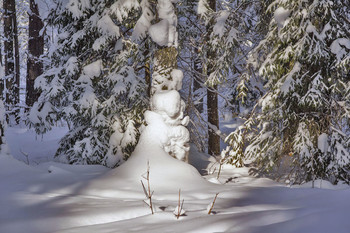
point(46, 196)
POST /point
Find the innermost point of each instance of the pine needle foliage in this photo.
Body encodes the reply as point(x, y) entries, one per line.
point(91, 83)
point(305, 112)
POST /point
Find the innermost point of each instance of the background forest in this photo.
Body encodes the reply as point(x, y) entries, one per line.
point(265, 83)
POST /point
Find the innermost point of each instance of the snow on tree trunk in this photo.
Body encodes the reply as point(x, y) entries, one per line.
point(167, 107)
point(2, 110)
point(2, 123)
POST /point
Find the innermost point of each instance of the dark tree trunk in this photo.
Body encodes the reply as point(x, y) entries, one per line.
point(213, 120)
point(11, 54)
point(35, 50)
point(212, 100)
point(8, 48)
point(8, 38)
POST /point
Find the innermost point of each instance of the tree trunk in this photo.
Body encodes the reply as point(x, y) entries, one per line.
point(212, 100)
point(8, 48)
point(35, 50)
point(11, 54)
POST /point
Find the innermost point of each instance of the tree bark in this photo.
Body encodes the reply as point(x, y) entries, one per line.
point(35, 50)
point(11, 54)
point(8, 46)
point(8, 40)
point(212, 99)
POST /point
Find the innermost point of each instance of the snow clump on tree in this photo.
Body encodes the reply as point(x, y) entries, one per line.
point(167, 111)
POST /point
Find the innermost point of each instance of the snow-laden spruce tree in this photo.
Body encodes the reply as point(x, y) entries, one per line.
point(304, 115)
point(249, 86)
point(91, 82)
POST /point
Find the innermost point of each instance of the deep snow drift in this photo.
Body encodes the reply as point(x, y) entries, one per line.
point(52, 197)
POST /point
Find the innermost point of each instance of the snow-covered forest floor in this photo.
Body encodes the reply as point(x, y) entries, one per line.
point(39, 195)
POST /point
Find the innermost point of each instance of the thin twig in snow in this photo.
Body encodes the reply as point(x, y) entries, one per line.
point(212, 205)
point(147, 191)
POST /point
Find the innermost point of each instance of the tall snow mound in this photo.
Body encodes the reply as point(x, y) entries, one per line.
point(162, 145)
point(167, 174)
